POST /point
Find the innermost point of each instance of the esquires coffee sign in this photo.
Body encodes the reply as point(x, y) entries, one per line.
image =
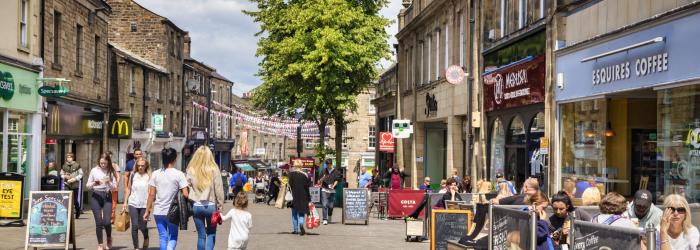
point(515, 86)
point(73, 121)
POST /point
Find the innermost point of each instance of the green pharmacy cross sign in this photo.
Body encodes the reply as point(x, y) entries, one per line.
point(51, 91)
point(7, 85)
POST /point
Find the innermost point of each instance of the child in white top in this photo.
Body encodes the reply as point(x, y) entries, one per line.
point(241, 223)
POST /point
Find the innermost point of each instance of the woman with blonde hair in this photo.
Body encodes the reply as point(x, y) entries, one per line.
point(677, 232)
point(207, 193)
point(135, 195)
point(504, 190)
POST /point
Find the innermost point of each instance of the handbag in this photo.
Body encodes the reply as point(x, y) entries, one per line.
point(216, 218)
point(174, 210)
point(122, 221)
point(288, 195)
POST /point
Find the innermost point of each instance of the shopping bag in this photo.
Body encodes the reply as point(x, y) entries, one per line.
point(317, 216)
point(122, 221)
point(313, 220)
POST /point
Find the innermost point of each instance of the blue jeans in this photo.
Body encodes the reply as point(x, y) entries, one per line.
point(297, 220)
point(206, 232)
point(167, 232)
point(327, 201)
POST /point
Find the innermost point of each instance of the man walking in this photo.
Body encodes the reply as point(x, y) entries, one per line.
point(237, 181)
point(329, 180)
point(365, 178)
point(72, 176)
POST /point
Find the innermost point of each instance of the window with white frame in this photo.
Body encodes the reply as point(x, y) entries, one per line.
point(23, 24)
point(132, 78)
point(429, 61)
point(345, 138)
point(372, 137)
point(422, 63)
point(372, 109)
point(447, 46)
point(461, 38)
point(437, 54)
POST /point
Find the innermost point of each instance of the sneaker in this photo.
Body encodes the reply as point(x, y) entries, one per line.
point(325, 222)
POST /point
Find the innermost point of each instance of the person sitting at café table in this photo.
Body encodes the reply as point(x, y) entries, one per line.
point(426, 184)
point(530, 188)
point(443, 187)
point(643, 211)
point(563, 207)
point(612, 208)
point(581, 186)
point(452, 193)
point(677, 232)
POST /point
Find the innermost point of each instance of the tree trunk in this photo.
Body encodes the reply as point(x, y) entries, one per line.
point(322, 122)
point(339, 127)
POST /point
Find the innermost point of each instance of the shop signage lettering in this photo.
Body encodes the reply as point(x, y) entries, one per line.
point(431, 105)
point(66, 120)
point(157, 122)
point(120, 127)
point(386, 142)
point(515, 86)
point(51, 91)
point(642, 67)
point(10, 198)
point(7, 85)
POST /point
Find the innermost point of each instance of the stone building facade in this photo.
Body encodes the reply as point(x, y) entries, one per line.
point(432, 36)
point(197, 84)
point(20, 104)
point(385, 103)
point(158, 40)
point(360, 137)
point(75, 49)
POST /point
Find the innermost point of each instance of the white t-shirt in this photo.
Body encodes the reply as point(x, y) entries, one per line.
point(241, 223)
point(167, 182)
point(99, 174)
point(139, 190)
point(687, 241)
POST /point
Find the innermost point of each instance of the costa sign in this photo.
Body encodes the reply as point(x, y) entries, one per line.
point(518, 85)
point(386, 142)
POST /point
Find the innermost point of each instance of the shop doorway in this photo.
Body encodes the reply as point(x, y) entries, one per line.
point(516, 168)
point(435, 153)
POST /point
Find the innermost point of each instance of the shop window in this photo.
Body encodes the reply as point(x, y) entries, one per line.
point(583, 139)
point(516, 131)
point(678, 140)
point(497, 148)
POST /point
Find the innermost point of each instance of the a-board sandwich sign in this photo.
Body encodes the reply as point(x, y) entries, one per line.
point(355, 206)
point(448, 225)
point(49, 220)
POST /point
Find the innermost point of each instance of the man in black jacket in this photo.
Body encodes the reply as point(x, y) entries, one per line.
point(330, 178)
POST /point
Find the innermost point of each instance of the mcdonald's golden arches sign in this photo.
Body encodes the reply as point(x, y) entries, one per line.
point(120, 127)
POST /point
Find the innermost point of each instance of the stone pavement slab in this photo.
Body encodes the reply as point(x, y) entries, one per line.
point(271, 230)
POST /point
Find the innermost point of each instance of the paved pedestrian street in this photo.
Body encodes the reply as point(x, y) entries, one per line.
point(271, 230)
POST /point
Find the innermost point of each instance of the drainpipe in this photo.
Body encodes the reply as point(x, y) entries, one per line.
point(470, 82)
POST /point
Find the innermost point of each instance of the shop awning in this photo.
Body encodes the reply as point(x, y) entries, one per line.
point(244, 166)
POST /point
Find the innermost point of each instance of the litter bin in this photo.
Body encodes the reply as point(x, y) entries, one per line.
point(50, 183)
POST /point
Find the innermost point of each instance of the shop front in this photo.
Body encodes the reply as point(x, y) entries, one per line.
point(628, 109)
point(513, 102)
point(20, 124)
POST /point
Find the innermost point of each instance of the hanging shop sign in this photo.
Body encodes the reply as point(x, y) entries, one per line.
point(120, 127)
point(431, 105)
point(643, 58)
point(18, 88)
point(454, 74)
point(53, 91)
point(198, 134)
point(386, 142)
point(514, 86)
point(157, 121)
point(401, 128)
point(67, 120)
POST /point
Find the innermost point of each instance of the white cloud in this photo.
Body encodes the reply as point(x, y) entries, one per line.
point(224, 37)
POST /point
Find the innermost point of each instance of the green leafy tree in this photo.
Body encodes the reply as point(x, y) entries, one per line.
point(318, 55)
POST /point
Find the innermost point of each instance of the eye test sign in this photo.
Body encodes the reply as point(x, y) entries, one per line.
point(11, 196)
point(49, 222)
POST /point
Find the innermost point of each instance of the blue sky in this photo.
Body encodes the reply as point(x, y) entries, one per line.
point(223, 37)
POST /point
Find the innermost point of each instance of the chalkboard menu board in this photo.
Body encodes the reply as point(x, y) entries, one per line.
point(355, 205)
point(510, 229)
point(589, 236)
point(448, 225)
point(315, 194)
point(49, 219)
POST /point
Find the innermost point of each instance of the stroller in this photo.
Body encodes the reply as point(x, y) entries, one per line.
point(260, 191)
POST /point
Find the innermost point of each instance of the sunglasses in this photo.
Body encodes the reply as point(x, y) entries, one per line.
point(680, 210)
